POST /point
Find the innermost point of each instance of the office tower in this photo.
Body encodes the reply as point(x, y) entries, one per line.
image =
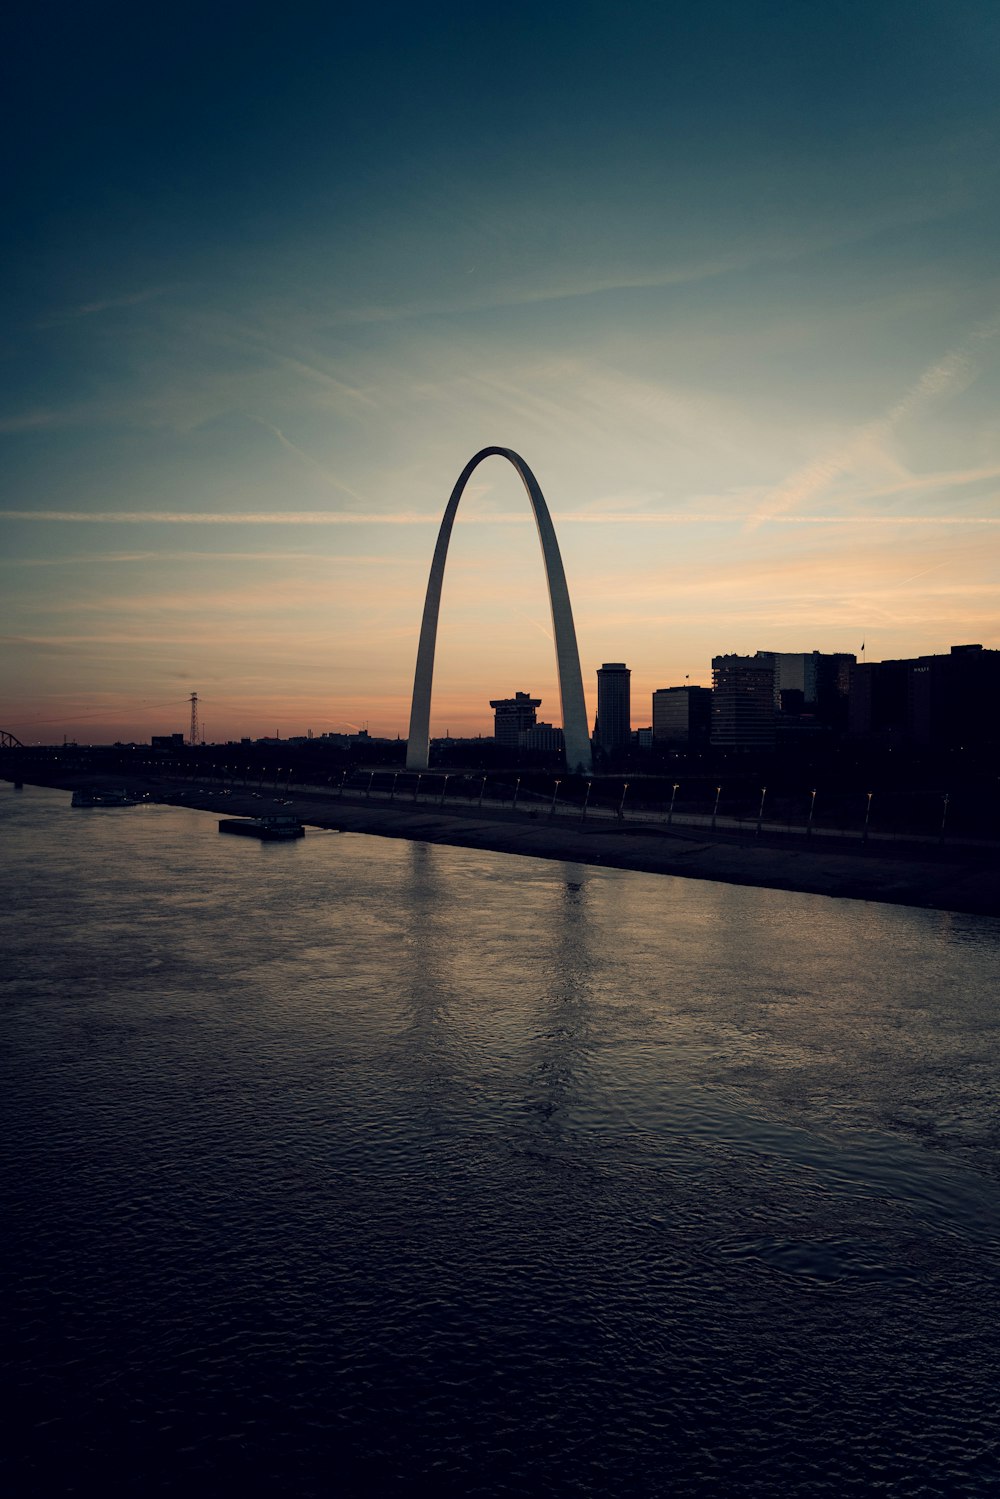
point(744, 701)
point(682, 717)
point(543, 738)
point(948, 701)
point(815, 683)
point(513, 716)
point(614, 708)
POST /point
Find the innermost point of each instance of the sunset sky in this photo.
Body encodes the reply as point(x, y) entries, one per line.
point(725, 274)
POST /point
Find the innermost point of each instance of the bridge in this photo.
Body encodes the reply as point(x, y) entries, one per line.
point(9, 741)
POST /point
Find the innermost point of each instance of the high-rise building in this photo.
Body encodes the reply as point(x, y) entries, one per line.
point(744, 701)
point(682, 717)
point(614, 707)
point(755, 695)
point(816, 683)
point(943, 701)
point(513, 716)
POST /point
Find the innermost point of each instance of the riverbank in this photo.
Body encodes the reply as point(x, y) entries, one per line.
point(657, 850)
point(948, 879)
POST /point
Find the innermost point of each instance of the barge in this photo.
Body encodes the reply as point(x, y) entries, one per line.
point(94, 798)
point(268, 829)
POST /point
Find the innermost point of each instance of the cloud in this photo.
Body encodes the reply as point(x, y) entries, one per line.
point(223, 518)
point(583, 518)
point(32, 421)
point(111, 559)
point(311, 463)
point(954, 372)
point(106, 304)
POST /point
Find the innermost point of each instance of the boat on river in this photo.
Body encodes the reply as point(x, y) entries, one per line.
point(268, 829)
point(103, 798)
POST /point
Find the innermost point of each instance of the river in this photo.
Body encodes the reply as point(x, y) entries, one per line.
point(359, 1166)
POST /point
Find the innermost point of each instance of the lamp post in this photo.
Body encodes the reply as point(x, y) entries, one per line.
point(715, 809)
point(482, 791)
point(444, 788)
point(517, 787)
point(555, 793)
point(760, 810)
point(416, 789)
point(621, 804)
point(586, 800)
point(944, 816)
point(868, 817)
point(392, 788)
point(368, 788)
point(812, 808)
point(673, 798)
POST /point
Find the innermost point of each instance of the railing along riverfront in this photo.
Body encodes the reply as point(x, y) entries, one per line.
point(528, 798)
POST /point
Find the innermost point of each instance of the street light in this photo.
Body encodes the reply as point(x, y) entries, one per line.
point(416, 789)
point(555, 793)
point(868, 816)
point(944, 817)
point(715, 809)
point(673, 798)
point(517, 787)
point(482, 791)
point(586, 800)
point(812, 808)
point(444, 788)
point(621, 804)
point(760, 812)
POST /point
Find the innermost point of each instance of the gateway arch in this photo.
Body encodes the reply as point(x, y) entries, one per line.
point(574, 709)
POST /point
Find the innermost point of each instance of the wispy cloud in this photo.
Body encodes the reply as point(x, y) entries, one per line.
point(223, 518)
point(505, 518)
point(312, 464)
point(32, 421)
point(866, 445)
point(114, 559)
point(106, 304)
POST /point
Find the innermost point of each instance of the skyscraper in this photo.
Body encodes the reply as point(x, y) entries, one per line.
point(744, 701)
point(512, 717)
point(614, 707)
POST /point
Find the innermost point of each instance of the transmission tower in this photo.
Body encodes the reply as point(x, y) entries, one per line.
point(194, 736)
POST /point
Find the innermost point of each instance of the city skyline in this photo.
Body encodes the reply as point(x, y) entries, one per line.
point(725, 279)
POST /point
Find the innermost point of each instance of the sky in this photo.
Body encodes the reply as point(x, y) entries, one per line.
point(724, 274)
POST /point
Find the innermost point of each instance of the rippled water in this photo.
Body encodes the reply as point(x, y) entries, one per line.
point(356, 1166)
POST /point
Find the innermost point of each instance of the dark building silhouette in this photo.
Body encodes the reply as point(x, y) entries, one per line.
point(613, 731)
point(792, 691)
point(543, 738)
point(815, 683)
point(682, 717)
point(943, 702)
point(513, 716)
point(744, 701)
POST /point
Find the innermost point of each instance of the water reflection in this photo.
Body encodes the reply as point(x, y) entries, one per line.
point(390, 1161)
